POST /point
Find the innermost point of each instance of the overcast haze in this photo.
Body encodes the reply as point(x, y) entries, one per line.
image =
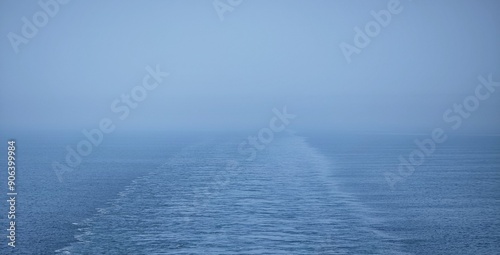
point(230, 74)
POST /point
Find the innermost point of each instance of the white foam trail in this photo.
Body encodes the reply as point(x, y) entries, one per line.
point(291, 153)
point(294, 145)
point(134, 185)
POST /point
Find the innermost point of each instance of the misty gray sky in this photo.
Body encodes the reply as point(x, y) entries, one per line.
point(230, 74)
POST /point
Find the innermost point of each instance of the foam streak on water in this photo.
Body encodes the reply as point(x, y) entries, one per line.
point(283, 202)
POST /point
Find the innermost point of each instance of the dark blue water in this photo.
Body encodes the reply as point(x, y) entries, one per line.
point(302, 194)
point(449, 205)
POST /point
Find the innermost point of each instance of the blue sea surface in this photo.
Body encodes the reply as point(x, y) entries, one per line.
point(301, 194)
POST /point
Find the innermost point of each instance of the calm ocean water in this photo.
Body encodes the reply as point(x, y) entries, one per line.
point(302, 194)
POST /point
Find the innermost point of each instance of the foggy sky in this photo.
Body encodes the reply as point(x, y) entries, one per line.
point(230, 74)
